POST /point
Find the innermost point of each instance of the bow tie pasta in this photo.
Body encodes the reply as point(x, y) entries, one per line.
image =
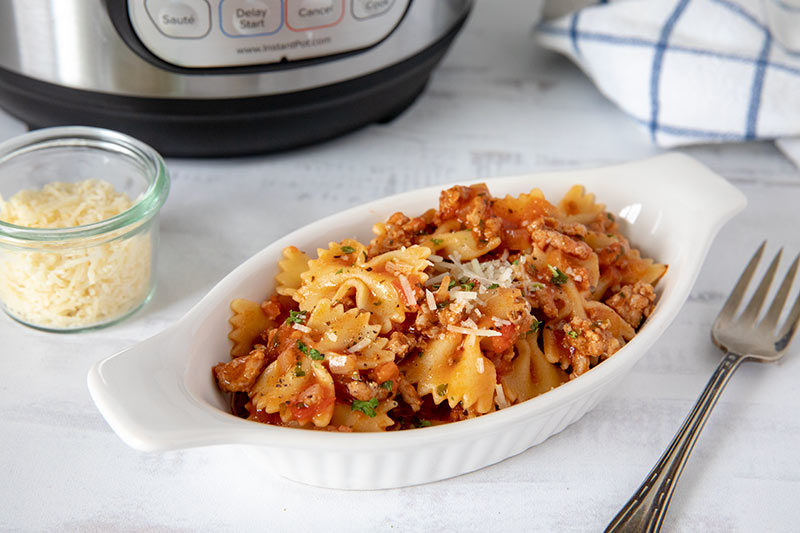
point(475, 306)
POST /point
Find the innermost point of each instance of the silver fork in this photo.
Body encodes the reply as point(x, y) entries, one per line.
point(741, 338)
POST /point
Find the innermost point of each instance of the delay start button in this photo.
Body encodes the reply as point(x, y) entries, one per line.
point(365, 9)
point(242, 18)
point(180, 19)
point(313, 14)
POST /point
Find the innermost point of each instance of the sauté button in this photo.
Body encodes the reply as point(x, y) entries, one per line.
point(180, 19)
point(311, 14)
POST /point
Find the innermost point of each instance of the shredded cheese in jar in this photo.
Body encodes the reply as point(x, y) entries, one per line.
point(63, 287)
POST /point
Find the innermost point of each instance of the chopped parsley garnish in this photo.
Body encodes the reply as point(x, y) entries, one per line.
point(348, 249)
point(467, 284)
point(421, 423)
point(558, 278)
point(368, 407)
point(442, 305)
point(516, 262)
point(296, 317)
point(484, 241)
point(388, 385)
point(572, 333)
point(298, 369)
point(535, 286)
point(452, 284)
point(312, 353)
point(441, 390)
point(535, 325)
point(494, 286)
point(339, 271)
point(610, 216)
point(610, 235)
point(437, 242)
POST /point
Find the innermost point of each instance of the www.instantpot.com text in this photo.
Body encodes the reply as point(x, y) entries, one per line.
point(277, 47)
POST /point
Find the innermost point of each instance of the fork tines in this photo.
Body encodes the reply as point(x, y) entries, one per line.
point(750, 314)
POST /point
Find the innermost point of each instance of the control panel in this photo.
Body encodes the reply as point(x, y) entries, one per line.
point(230, 33)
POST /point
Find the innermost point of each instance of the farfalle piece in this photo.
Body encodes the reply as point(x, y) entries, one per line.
point(349, 332)
point(282, 386)
point(293, 264)
point(525, 208)
point(456, 371)
point(344, 415)
point(462, 242)
point(344, 270)
point(531, 374)
point(580, 206)
point(247, 322)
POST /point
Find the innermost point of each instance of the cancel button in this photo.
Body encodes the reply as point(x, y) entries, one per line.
point(310, 14)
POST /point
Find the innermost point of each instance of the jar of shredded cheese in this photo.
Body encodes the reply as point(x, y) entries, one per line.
point(78, 226)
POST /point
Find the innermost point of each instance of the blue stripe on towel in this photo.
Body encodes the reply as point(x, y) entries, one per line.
point(573, 32)
point(758, 84)
point(693, 132)
point(736, 8)
point(636, 41)
point(658, 58)
point(787, 7)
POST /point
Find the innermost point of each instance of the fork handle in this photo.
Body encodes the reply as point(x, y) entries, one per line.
point(646, 509)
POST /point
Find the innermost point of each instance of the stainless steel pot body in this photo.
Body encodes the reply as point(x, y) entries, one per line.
point(81, 45)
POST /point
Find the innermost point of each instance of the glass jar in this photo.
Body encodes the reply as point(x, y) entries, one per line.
point(87, 276)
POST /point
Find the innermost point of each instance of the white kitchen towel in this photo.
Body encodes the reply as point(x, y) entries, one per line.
point(692, 71)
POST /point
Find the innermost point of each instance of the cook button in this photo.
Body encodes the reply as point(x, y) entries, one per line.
point(180, 19)
point(364, 9)
point(310, 14)
point(250, 17)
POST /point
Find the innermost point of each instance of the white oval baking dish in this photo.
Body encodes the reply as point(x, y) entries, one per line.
point(159, 394)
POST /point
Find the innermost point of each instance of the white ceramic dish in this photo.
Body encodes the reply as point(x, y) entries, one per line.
point(159, 394)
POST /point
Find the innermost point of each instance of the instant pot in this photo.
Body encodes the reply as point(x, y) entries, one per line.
point(220, 77)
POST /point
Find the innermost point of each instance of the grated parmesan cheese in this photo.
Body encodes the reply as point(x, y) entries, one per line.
point(500, 321)
point(82, 285)
point(360, 345)
point(488, 273)
point(411, 298)
point(469, 323)
point(463, 295)
point(431, 300)
point(500, 397)
point(301, 327)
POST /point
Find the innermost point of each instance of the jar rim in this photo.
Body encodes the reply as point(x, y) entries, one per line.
point(145, 207)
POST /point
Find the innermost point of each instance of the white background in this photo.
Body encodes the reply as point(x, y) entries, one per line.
point(497, 105)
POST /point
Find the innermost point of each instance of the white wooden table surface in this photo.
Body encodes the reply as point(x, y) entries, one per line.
point(497, 105)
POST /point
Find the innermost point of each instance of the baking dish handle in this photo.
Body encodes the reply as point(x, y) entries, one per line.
point(142, 396)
